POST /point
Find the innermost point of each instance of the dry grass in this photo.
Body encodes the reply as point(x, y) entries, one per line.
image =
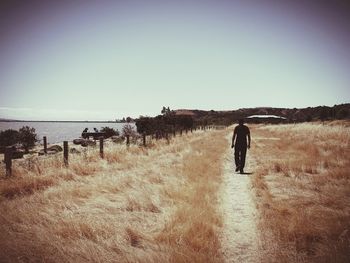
point(136, 205)
point(302, 186)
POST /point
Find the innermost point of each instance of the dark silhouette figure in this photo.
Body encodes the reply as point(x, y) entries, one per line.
point(83, 135)
point(239, 141)
point(95, 130)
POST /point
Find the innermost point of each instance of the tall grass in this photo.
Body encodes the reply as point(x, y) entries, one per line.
point(136, 205)
point(302, 187)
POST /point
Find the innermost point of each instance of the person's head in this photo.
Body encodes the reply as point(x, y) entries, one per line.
point(240, 121)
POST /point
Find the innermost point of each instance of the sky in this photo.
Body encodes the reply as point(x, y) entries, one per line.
point(104, 60)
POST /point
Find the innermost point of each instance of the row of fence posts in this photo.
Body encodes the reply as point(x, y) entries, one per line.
point(9, 149)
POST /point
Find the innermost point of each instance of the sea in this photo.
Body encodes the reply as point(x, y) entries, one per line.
point(56, 132)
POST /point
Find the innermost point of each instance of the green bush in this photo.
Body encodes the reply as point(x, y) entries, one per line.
point(146, 125)
point(27, 137)
point(8, 137)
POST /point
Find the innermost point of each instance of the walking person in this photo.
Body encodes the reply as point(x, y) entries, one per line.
point(239, 141)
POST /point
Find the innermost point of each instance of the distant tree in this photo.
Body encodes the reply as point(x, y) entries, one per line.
point(146, 125)
point(109, 132)
point(27, 137)
point(157, 125)
point(8, 138)
point(165, 111)
point(128, 119)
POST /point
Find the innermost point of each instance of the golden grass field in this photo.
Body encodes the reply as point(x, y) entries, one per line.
point(302, 188)
point(160, 203)
point(137, 205)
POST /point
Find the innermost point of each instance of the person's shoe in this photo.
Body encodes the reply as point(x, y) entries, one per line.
point(241, 171)
point(237, 168)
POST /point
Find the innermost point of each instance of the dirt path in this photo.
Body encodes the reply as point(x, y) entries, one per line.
point(239, 236)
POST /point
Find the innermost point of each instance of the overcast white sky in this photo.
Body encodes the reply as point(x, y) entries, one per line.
point(106, 60)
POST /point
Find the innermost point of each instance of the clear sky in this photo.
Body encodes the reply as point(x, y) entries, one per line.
point(102, 60)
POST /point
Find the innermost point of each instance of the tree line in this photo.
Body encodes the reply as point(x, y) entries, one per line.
point(167, 122)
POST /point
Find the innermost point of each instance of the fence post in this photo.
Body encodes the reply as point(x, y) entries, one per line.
point(8, 160)
point(45, 145)
point(65, 153)
point(101, 147)
point(186, 130)
point(174, 133)
point(191, 130)
point(180, 132)
point(128, 140)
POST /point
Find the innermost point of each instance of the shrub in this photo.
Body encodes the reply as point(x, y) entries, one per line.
point(184, 121)
point(146, 125)
point(8, 137)
point(128, 130)
point(109, 132)
point(162, 124)
point(27, 137)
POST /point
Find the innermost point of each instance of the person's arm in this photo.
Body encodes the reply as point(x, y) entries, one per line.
point(233, 138)
point(248, 138)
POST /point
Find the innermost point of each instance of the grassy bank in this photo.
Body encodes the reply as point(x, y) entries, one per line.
point(302, 186)
point(136, 205)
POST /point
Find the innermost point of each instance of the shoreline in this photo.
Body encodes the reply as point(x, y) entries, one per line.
point(67, 121)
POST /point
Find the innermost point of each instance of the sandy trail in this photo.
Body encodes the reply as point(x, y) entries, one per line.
point(239, 237)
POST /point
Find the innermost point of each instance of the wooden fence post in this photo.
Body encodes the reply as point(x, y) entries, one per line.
point(65, 153)
point(8, 160)
point(128, 140)
point(144, 139)
point(45, 145)
point(101, 147)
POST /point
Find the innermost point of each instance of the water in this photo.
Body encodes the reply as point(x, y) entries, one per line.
point(60, 131)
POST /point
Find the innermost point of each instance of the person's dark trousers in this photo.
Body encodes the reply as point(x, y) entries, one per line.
point(240, 152)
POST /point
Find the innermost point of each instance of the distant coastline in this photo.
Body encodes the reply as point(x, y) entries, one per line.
point(59, 131)
point(5, 120)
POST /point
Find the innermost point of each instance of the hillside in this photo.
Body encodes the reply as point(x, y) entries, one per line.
point(341, 111)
